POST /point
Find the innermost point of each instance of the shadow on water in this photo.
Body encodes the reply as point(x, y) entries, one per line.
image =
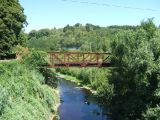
point(79, 104)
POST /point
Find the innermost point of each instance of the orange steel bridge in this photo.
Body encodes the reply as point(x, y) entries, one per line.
point(79, 59)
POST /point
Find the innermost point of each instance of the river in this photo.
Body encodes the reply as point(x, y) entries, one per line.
point(78, 103)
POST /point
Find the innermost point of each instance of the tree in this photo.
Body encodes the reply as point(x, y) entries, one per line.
point(32, 33)
point(77, 25)
point(22, 38)
point(12, 20)
point(149, 27)
point(136, 77)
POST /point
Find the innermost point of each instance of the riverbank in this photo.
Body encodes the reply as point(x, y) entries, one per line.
point(56, 116)
point(25, 93)
point(77, 81)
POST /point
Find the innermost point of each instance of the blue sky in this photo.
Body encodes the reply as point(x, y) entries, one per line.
point(59, 13)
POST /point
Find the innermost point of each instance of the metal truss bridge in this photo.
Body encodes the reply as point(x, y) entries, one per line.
point(78, 59)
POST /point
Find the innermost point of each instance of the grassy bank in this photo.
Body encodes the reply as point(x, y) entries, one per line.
point(94, 79)
point(25, 93)
point(75, 80)
point(68, 77)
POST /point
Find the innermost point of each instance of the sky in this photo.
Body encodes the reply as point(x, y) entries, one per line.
point(58, 13)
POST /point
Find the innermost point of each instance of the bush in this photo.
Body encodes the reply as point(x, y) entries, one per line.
point(31, 57)
point(35, 59)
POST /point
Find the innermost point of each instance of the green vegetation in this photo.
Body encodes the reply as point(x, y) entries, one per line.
point(77, 38)
point(27, 92)
point(88, 76)
point(24, 91)
point(94, 78)
point(131, 87)
point(12, 20)
point(136, 79)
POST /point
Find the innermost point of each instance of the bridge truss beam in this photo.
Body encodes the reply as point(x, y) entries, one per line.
point(79, 59)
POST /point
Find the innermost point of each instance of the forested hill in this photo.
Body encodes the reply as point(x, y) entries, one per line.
point(76, 37)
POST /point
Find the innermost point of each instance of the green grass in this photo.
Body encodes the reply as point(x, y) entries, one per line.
point(68, 77)
point(94, 79)
point(23, 94)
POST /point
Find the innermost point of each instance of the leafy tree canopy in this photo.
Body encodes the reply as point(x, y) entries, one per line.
point(12, 20)
point(136, 78)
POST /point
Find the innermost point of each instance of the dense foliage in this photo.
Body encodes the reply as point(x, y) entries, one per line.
point(77, 37)
point(136, 79)
point(27, 91)
point(12, 20)
point(24, 91)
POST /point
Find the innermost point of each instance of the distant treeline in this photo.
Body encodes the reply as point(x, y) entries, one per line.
point(77, 37)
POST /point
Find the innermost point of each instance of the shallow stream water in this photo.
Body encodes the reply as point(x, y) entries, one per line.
point(78, 103)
